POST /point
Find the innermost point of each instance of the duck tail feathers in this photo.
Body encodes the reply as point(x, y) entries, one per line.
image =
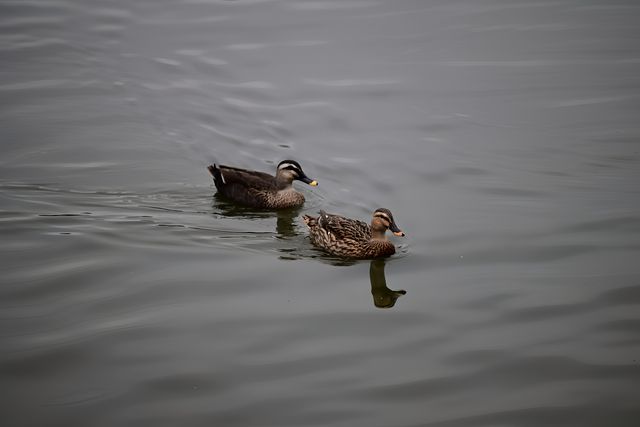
point(309, 220)
point(215, 172)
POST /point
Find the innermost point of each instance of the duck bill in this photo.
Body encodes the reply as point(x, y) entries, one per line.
point(307, 180)
point(395, 230)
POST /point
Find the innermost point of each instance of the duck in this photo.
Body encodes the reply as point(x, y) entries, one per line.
point(259, 189)
point(352, 238)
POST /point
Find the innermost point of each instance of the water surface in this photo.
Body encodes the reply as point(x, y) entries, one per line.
point(504, 136)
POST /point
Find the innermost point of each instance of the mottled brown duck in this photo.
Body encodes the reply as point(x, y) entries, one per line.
point(259, 189)
point(351, 238)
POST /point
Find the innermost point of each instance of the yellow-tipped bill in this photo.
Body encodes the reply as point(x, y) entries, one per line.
point(313, 183)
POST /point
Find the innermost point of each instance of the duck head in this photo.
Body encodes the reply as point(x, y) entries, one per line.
point(289, 170)
point(383, 220)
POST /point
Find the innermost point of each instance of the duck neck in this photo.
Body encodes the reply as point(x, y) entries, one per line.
point(284, 183)
point(378, 234)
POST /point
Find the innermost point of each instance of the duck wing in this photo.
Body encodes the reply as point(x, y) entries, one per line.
point(247, 178)
point(344, 228)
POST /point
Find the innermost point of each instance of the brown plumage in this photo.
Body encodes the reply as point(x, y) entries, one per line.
point(352, 238)
point(259, 189)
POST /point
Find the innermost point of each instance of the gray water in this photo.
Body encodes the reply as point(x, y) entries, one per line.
point(503, 135)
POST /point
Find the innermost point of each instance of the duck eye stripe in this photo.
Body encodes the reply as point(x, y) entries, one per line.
point(383, 216)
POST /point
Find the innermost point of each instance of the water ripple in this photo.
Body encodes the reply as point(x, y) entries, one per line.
point(520, 372)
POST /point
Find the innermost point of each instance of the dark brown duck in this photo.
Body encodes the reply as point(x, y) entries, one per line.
point(259, 189)
point(351, 238)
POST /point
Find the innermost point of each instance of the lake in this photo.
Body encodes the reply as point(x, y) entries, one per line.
point(503, 135)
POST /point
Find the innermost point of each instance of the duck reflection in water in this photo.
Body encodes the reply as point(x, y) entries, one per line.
point(285, 218)
point(383, 297)
point(286, 223)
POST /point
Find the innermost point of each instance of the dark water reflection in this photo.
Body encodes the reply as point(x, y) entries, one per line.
point(502, 135)
point(286, 219)
point(383, 297)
